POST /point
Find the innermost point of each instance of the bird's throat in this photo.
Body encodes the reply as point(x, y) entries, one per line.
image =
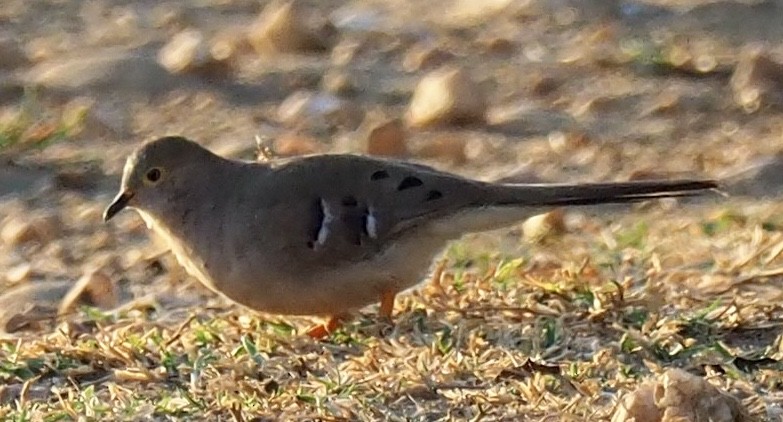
point(186, 256)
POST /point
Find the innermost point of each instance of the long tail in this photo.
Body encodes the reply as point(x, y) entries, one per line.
point(596, 193)
point(506, 204)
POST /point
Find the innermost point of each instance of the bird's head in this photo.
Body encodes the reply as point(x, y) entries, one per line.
point(159, 173)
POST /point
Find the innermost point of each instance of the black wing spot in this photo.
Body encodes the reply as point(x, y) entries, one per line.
point(409, 182)
point(317, 222)
point(380, 174)
point(357, 239)
point(434, 194)
point(349, 201)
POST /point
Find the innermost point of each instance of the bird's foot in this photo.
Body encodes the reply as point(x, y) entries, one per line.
point(387, 304)
point(324, 330)
point(319, 331)
point(385, 313)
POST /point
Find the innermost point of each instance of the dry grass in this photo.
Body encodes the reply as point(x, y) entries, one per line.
point(553, 332)
point(31, 124)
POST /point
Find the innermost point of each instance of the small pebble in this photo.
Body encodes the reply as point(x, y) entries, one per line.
point(447, 96)
point(387, 138)
point(289, 144)
point(282, 28)
point(41, 229)
point(757, 80)
point(543, 226)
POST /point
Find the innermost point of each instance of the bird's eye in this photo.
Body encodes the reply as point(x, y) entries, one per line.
point(153, 175)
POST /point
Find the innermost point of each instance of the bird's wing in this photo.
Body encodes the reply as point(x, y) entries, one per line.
point(339, 207)
point(335, 208)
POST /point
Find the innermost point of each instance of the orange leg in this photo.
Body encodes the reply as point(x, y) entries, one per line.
point(387, 303)
point(323, 330)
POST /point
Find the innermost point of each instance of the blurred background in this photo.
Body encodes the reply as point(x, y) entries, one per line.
point(530, 90)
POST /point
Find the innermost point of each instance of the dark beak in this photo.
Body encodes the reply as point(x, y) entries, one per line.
point(117, 205)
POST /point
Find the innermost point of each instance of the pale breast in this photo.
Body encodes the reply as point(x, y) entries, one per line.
point(193, 264)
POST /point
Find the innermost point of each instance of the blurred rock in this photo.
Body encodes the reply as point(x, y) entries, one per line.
point(544, 84)
point(40, 229)
point(345, 51)
point(666, 102)
point(542, 226)
point(471, 12)
point(498, 45)
point(291, 143)
point(190, 52)
point(338, 83)
point(45, 48)
point(692, 60)
point(19, 273)
point(449, 148)
point(113, 69)
point(639, 406)
point(229, 42)
point(282, 27)
point(679, 397)
point(757, 80)
point(760, 179)
point(387, 138)
point(447, 96)
point(26, 306)
point(12, 55)
point(564, 143)
point(423, 56)
point(602, 104)
point(304, 104)
point(318, 111)
point(93, 289)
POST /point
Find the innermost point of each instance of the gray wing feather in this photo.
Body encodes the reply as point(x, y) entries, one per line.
point(341, 208)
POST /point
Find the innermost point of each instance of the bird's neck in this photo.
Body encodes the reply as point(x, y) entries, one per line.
point(194, 220)
point(188, 254)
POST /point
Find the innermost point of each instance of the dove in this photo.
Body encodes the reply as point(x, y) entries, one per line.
point(326, 235)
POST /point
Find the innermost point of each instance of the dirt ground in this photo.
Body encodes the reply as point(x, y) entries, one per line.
point(559, 321)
